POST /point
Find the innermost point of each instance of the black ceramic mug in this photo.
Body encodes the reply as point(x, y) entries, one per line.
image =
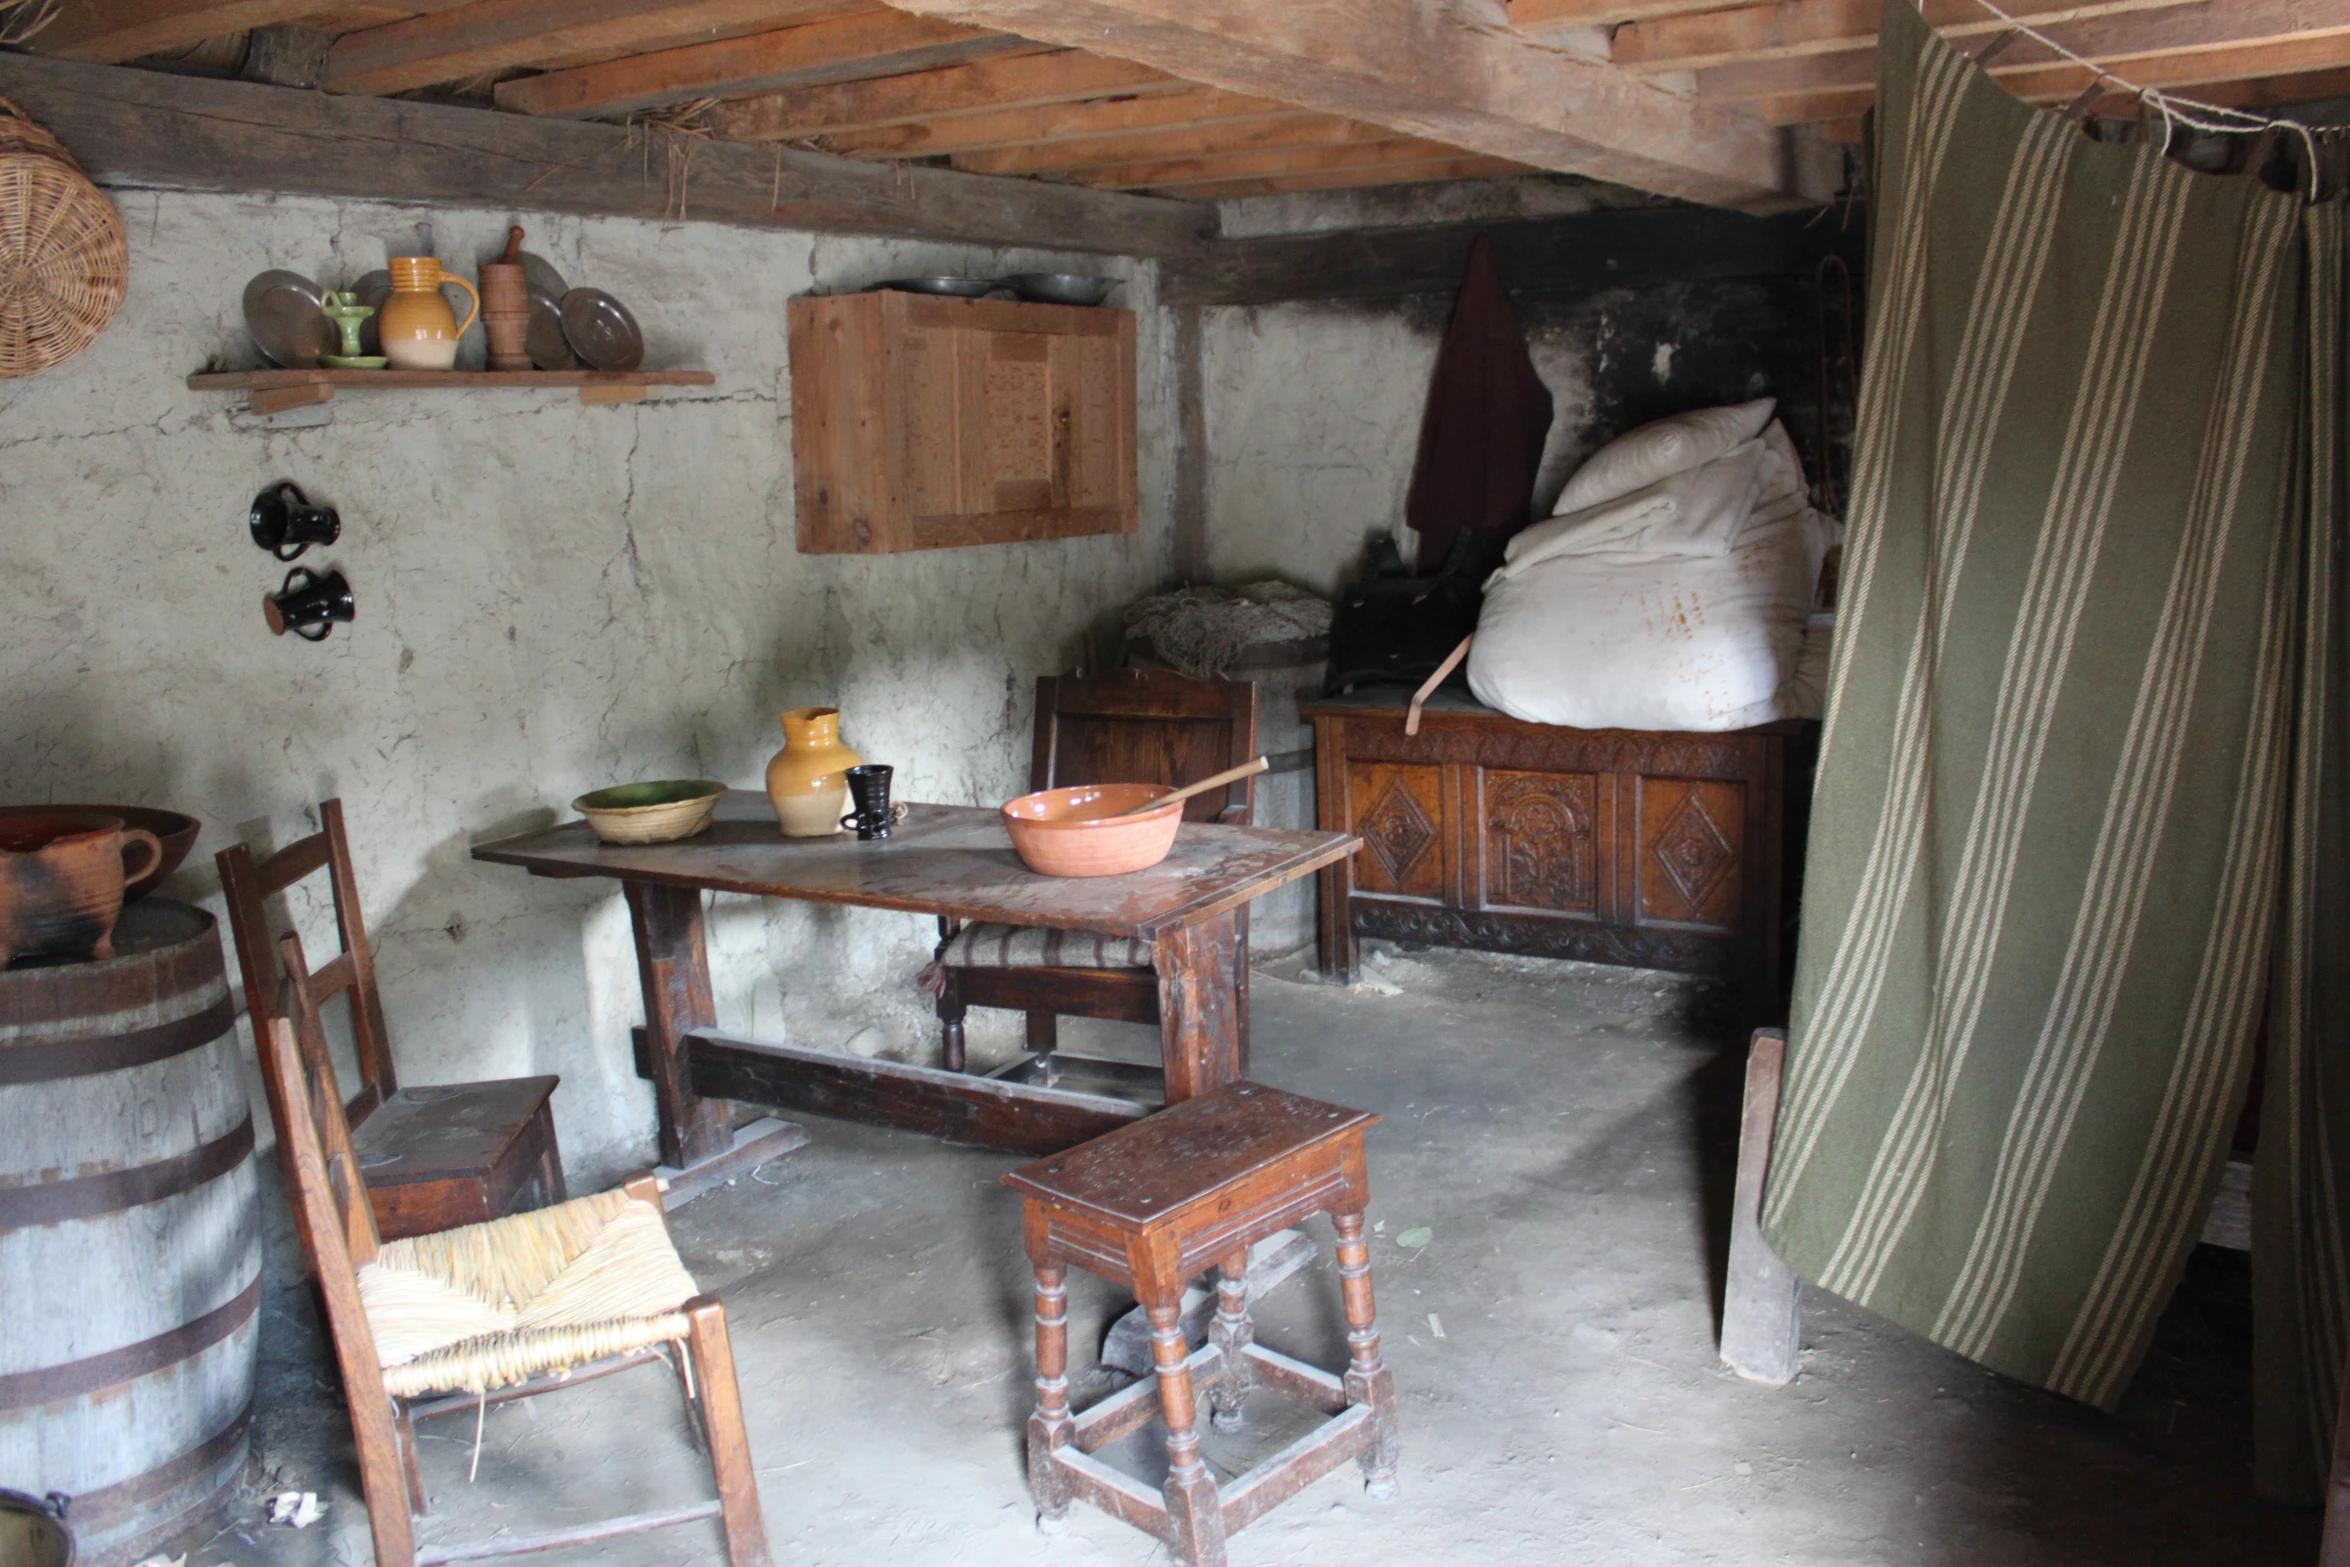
point(874, 816)
point(308, 604)
point(285, 523)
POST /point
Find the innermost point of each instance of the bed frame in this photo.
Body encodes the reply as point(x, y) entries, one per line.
point(1646, 848)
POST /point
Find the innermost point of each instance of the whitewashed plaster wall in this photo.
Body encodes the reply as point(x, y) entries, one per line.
point(551, 598)
point(1313, 421)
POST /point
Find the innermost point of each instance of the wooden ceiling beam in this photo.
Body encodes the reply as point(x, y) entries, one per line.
point(1297, 128)
point(1551, 16)
point(872, 43)
point(1458, 168)
point(1794, 28)
point(492, 35)
point(1053, 125)
point(2206, 73)
point(1438, 71)
point(2124, 42)
point(1370, 152)
point(153, 129)
point(1020, 82)
point(106, 32)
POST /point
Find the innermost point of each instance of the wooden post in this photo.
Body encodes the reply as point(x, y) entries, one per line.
point(1762, 1310)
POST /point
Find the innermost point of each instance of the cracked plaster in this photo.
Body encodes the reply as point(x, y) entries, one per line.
point(551, 598)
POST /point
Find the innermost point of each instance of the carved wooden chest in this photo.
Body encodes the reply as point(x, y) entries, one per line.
point(1656, 850)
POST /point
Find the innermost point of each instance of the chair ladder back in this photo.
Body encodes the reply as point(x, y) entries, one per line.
point(247, 882)
point(374, 1418)
point(319, 1110)
point(1147, 726)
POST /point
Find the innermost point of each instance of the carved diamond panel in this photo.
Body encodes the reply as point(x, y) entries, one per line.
point(1398, 809)
point(1692, 851)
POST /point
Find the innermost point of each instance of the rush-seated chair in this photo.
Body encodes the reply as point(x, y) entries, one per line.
point(452, 1153)
point(447, 1322)
point(1124, 726)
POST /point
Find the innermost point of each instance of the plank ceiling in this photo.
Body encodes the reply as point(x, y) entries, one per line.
point(1207, 99)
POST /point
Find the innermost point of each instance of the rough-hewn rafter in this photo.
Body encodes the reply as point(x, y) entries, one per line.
point(490, 35)
point(871, 43)
point(1439, 70)
point(1047, 126)
point(105, 31)
point(145, 128)
point(1799, 27)
point(924, 97)
point(1294, 129)
point(2313, 33)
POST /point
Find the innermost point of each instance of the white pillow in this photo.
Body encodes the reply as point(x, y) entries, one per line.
point(1660, 450)
point(1699, 512)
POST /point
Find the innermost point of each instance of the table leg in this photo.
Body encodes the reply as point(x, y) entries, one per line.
point(1199, 1005)
point(673, 963)
point(1337, 923)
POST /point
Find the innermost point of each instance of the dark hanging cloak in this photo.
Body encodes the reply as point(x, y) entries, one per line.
point(1488, 414)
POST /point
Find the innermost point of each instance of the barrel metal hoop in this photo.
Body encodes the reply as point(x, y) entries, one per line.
point(21, 1389)
point(95, 1509)
point(89, 1196)
point(46, 1060)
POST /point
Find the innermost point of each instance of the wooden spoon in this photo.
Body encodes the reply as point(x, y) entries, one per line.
point(1228, 775)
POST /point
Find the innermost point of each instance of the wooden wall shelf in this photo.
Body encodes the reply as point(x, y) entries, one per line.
point(275, 391)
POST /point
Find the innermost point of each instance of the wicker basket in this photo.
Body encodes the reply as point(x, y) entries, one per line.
point(64, 260)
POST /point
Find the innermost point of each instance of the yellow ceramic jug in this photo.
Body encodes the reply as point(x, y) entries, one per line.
point(807, 781)
point(418, 328)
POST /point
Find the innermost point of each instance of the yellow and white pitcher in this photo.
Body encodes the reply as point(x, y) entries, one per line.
point(418, 328)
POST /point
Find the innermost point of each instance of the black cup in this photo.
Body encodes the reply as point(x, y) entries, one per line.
point(308, 604)
point(285, 523)
point(874, 816)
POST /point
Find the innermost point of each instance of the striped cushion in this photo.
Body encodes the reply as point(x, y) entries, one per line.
point(1027, 946)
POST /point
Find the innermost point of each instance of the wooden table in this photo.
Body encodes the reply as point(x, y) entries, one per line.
point(943, 859)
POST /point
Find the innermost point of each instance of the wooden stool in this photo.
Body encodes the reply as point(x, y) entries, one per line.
point(1151, 1206)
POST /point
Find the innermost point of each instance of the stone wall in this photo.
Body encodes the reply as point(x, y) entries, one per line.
point(551, 598)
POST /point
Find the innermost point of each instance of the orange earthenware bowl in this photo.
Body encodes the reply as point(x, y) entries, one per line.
point(1069, 832)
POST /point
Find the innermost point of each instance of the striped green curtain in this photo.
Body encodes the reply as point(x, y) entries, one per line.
point(2077, 729)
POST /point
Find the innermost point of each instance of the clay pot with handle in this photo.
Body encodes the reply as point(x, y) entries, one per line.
point(418, 328)
point(61, 881)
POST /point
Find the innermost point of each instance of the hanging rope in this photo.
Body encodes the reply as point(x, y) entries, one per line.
point(2215, 118)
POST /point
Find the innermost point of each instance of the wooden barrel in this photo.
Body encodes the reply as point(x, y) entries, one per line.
point(130, 1236)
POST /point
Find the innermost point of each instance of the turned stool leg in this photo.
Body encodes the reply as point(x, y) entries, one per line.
point(1193, 1506)
point(951, 1008)
point(1231, 1333)
point(1368, 1381)
point(1050, 1426)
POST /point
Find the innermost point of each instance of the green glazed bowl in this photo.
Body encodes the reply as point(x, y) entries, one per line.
point(657, 812)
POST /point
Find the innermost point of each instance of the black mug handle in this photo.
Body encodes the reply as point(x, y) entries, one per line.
point(304, 572)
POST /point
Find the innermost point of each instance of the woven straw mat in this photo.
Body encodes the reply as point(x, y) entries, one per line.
point(487, 1305)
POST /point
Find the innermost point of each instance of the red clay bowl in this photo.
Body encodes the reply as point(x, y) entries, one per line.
point(1070, 832)
point(177, 834)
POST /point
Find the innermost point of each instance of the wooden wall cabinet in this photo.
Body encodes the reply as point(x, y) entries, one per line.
point(921, 422)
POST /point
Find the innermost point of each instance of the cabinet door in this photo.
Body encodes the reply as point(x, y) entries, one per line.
point(1689, 850)
point(1398, 811)
point(1541, 836)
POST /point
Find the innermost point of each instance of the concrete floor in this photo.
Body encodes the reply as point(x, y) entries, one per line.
point(1565, 1135)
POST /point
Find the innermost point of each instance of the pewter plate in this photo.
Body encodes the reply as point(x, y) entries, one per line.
point(601, 331)
point(1061, 288)
point(543, 338)
point(283, 313)
point(953, 287)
